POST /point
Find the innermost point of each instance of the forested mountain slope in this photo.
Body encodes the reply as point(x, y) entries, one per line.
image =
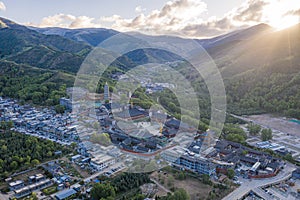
point(260, 66)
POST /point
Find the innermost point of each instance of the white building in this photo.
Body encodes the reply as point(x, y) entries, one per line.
point(102, 161)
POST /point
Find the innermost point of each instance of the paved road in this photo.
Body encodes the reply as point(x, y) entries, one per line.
point(252, 184)
point(4, 196)
point(262, 194)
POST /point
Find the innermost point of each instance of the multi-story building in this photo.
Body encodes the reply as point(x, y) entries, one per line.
point(184, 159)
point(106, 92)
point(102, 161)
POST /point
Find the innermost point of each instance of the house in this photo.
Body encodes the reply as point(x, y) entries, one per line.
point(76, 157)
point(27, 190)
point(66, 194)
point(170, 132)
point(173, 123)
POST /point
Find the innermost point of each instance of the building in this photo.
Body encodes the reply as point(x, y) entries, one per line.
point(27, 190)
point(106, 92)
point(66, 194)
point(69, 104)
point(102, 161)
point(296, 174)
point(184, 159)
point(132, 113)
point(16, 185)
point(171, 155)
point(197, 164)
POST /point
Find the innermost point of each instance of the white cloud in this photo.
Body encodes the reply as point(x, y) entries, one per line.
point(139, 9)
point(185, 18)
point(247, 14)
point(172, 17)
point(67, 21)
point(2, 6)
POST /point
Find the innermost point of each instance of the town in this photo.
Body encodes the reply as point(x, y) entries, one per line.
point(111, 138)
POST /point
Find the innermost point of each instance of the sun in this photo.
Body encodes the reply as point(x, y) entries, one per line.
point(277, 14)
point(285, 22)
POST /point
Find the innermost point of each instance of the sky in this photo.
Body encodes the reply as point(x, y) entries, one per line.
point(187, 18)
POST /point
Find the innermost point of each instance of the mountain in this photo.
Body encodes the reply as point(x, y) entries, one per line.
point(235, 36)
point(262, 73)
point(25, 46)
point(267, 48)
point(91, 36)
point(260, 66)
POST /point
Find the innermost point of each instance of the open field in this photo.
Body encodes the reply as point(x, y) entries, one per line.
point(194, 187)
point(278, 123)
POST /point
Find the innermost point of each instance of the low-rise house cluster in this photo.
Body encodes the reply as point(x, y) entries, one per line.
point(43, 123)
point(34, 183)
point(248, 162)
point(278, 148)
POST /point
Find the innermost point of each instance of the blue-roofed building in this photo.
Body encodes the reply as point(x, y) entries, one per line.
point(65, 194)
point(296, 174)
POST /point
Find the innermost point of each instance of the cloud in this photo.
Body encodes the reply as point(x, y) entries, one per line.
point(185, 18)
point(67, 21)
point(247, 14)
point(2, 6)
point(139, 9)
point(173, 16)
point(251, 11)
point(293, 12)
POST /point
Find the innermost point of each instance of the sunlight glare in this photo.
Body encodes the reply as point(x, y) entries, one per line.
point(276, 14)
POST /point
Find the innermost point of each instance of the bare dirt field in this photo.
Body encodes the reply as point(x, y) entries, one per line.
point(194, 187)
point(278, 123)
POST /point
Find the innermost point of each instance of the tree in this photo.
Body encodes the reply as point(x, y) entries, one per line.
point(235, 138)
point(59, 109)
point(181, 175)
point(206, 179)
point(35, 162)
point(230, 173)
point(102, 139)
point(253, 129)
point(33, 196)
point(100, 191)
point(289, 157)
point(266, 134)
point(181, 194)
point(13, 165)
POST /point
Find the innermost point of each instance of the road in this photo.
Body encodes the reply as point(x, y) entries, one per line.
point(252, 184)
point(4, 196)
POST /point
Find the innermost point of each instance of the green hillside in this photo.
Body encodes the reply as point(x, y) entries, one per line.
point(260, 67)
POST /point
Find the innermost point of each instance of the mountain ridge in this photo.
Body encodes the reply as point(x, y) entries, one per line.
point(260, 67)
